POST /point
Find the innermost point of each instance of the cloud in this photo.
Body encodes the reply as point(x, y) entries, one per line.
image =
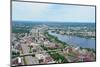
point(52, 12)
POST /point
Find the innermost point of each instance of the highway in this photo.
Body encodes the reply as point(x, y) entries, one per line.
point(28, 59)
point(30, 54)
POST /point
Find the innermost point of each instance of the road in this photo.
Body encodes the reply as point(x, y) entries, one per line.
point(28, 59)
point(30, 54)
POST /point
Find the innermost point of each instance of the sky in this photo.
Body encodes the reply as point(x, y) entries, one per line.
point(43, 12)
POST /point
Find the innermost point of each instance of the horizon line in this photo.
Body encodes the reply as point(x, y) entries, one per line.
point(51, 21)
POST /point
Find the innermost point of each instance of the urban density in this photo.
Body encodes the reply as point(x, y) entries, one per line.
point(33, 44)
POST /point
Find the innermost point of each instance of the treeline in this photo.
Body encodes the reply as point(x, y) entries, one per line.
point(20, 30)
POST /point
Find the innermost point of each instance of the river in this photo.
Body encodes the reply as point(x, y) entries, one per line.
point(74, 40)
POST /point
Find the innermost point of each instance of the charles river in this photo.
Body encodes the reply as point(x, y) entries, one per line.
point(74, 40)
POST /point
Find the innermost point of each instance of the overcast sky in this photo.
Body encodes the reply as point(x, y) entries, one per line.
point(42, 12)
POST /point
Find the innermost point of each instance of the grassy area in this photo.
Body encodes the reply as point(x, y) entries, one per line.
point(57, 57)
point(25, 62)
point(30, 50)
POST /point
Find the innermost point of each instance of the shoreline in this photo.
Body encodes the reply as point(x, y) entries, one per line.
point(66, 44)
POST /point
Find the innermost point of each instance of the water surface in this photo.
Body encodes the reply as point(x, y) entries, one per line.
point(74, 40)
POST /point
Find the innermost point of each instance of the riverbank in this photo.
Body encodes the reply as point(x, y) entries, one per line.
point(87, 35)
point(75, 41)
point(55, 39)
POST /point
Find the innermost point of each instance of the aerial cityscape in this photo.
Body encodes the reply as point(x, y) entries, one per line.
point(52, 34)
